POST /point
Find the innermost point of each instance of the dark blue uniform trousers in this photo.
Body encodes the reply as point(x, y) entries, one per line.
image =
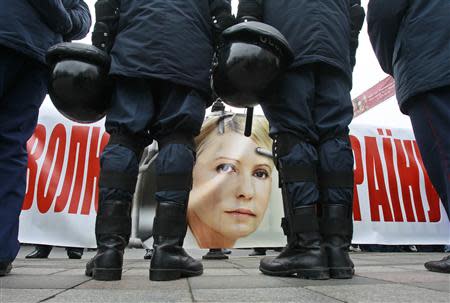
point(152, 109)
point(23, 85)
point(430, 117)
point(313, 103)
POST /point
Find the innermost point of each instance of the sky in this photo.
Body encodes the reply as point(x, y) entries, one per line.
point(366, 73)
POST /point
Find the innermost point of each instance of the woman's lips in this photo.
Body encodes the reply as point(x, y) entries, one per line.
point(241, 212)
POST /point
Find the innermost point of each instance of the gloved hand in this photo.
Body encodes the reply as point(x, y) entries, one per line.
point(221, 21)
point(357, 16)
point(250, 10)
point(107, 14)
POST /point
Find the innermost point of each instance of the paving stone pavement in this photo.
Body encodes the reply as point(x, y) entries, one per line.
point(380, 277)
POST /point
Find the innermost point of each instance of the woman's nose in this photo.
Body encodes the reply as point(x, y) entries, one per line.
point(245, 188)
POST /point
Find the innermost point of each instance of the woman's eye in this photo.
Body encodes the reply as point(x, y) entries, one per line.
point(261, 174)
point(225, 168)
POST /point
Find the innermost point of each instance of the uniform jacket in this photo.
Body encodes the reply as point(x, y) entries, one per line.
point(169, 40)
point(32, 26)
point(317, 30)
point(411, 40)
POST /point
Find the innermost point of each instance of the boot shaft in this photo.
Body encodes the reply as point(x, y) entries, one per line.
point(304, 239)
point(170, 221)
point(336, 226)
point(113, 224)
point(304, 255)
point(169, 230)
point(170, 261)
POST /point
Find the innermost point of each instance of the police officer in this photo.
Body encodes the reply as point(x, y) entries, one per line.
point(161, 53)
point(27, 29)
point(309, 113)
point(411, 40)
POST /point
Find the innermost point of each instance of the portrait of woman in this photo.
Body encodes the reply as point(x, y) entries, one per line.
point(232, 182)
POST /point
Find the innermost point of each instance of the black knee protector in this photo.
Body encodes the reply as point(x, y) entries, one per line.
point(177, 138)
point(336, 179)
point(282, 145)
point(121, 180)
point(175, 182)
point(133, 142)
point(107, 13)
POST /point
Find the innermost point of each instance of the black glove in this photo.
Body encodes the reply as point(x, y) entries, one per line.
point(357, 16)
point(223, 20)
point(106, 25)
point(250, 10)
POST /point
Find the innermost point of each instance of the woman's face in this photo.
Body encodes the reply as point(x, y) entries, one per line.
point(231, 185)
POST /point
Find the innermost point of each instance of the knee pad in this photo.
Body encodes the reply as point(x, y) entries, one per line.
point(175, 178)
point(133, 142)
point(177, 138)
point(282, 146)
point(119, 179)
point(336, 171)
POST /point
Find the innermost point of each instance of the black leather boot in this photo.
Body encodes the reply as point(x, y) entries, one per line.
point(258, 251)
point(40, 252)
point(5, 268)
point(170, 261)
point(304, 255)
point(215, 254)
point(442, 266)
point(336, 227)
point(74, 252)
point(112, 230)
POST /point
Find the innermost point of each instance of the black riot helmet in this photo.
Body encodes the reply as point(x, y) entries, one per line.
point(251, 56)
point(79, 84)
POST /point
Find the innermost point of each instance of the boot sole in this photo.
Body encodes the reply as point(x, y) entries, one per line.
point(105, 274)
point(310, 274)
point(342, 272)
point(171, 274)
point(442, 271)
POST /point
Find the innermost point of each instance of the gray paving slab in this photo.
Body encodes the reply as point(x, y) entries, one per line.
point(57, 263)
point(236, 282)
point(27, 270)
point(416, 267)
point(440, 286)
point(260, 295)
point(224, 272)
point(399, 258)
point(380, 277)
point(135, 283)
point(357, 280)
point(246, 262)
point(366, 262)
point(26, 295)
point(218, 264)
point(408, 277)
point(379, 268)
point(381, 293)
point(251, 271)
point(71, 272)
point(141, 272)
point(15, 281)
point(122, 295)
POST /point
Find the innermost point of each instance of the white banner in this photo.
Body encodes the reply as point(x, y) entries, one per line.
point(394, 201)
